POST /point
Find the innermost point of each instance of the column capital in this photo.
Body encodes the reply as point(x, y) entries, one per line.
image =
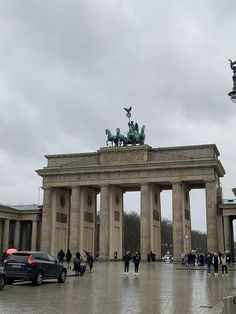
point(177, 181)
point(210, 181)
point(75, 187)
point(105, 186)
point(46, 188)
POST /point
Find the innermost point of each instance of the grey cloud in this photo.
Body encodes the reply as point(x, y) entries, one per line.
point(67, 68)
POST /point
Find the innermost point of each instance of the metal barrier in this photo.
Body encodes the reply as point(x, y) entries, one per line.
point(229, 305)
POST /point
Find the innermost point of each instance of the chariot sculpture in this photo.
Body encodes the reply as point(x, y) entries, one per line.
point(133, 136)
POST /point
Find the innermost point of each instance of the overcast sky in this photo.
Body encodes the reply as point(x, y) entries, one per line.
point(67, 68)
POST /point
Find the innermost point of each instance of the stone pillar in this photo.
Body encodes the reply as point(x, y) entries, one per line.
point(46, 221)
point(75, 228)
point(145, 221)
point(220, 220)
point(104, 223)
point(211, 216)
point(116, 222)
point(5, 234)
point(227, 233)
point(55, 238)
point(232, 239)
point(177, 211)
point(17, 235)
point(187, 236)
point(155, 220)
point(1, 234)
point(34, 235)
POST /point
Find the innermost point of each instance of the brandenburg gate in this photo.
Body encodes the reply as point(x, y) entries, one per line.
point(71, 183)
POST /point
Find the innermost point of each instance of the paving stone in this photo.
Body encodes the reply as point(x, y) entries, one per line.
point(159, 288)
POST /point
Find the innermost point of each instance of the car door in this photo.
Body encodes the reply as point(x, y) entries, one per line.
point(52, 267)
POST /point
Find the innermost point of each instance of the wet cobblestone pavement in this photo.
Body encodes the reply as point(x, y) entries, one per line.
point(159, 288)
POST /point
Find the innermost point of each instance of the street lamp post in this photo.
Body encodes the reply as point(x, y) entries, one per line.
point(232, 94)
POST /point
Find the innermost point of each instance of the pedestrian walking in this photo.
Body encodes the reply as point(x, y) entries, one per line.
point(228, 258)
point(224, 265)
point(136, 260)
point(90, 260)
point(208, 261)
point(60, 256)
point(68, 259)
point(77, 261)
point(126, 260)
point(216, 262)
point(85, 258)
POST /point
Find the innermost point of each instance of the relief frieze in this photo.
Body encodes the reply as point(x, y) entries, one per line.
point(129, 157)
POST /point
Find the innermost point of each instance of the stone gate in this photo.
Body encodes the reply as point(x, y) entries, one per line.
point(71, 183)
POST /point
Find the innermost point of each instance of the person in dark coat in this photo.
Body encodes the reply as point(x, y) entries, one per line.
point(90, 261)
point(60, 256)
point(68, 258)
point(216, 262)
point(77, 261)
point(126, 260)
point(208, 261)
point(136, 260)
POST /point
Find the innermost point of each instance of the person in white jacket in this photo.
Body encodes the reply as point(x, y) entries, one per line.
point(224, 265)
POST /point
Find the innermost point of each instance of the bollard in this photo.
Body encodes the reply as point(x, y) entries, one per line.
point(229, 305)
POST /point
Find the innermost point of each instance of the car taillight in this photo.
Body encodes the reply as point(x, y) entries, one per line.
point(30, 261)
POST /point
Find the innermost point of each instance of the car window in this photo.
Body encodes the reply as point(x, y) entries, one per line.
point(51, 258)
point(18, 258)
point(41, 257)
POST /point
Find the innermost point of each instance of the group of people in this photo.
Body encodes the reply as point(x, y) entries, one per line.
point(216, 260)
point(151, 257)
point(135, 259)
point(79, 263)
point(209, 259)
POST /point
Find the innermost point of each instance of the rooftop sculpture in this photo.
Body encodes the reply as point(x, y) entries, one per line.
point(133, 136)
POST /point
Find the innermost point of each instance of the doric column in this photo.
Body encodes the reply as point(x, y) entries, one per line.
point(5, 234)
point(145, 220)
point(227, 234)
point(155, 219)
point(186, 218)
point(55, 238)
point(232, 239)
point(17, 235)
point(177, 211)
point(211, 215)
point(1, 234)
point(75, 220)
point(46, 220)
point(115, 222)
point(34, 235)
point(104, 223)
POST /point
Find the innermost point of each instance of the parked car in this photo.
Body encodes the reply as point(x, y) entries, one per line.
point(167, 258)
point(3, 278)
point(33, 266)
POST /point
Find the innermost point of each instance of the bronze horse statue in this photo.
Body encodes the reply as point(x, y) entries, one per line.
point(133, 137)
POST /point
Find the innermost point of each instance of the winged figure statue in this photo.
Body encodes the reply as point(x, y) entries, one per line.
point(128, 113)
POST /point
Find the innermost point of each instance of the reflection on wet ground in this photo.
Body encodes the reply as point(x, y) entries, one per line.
point(159, 288)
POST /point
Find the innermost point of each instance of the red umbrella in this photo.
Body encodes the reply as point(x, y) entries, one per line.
point(11, 251)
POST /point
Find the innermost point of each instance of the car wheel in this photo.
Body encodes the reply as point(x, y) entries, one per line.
point(62, 277)
point(39, 279)
point(9, 281)
point(2, 283)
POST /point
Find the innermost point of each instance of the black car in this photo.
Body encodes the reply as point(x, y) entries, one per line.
point(3, 279)
point(33, 266)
